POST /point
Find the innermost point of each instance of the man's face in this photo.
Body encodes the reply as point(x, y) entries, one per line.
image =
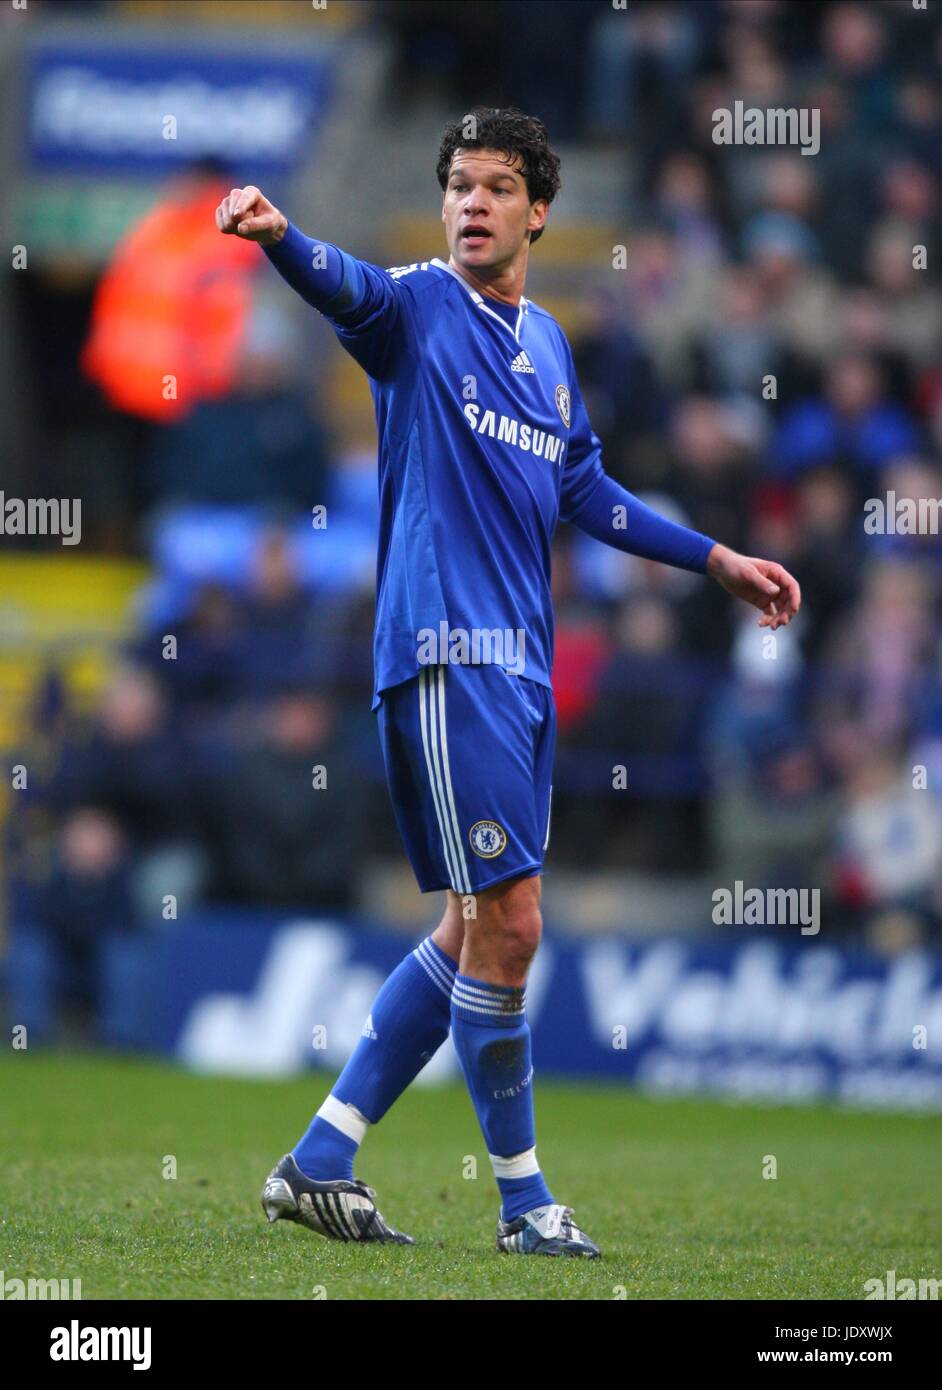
point(487, 211)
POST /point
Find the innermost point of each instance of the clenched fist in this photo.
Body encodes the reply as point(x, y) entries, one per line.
point(247, 213)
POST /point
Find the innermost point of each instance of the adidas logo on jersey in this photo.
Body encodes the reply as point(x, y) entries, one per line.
point(368, 1030)
point(522, 363)
point(397, 271)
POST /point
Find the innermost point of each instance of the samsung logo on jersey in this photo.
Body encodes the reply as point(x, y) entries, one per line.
point(505, 428)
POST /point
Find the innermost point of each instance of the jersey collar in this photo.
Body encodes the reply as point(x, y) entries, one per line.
point(481, 302)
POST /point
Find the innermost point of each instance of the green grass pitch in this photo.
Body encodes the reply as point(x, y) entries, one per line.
point(672, 1190)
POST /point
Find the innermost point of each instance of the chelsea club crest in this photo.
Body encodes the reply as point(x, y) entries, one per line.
point(488, 839)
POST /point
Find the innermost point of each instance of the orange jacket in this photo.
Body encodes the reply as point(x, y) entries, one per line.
point(173, 303)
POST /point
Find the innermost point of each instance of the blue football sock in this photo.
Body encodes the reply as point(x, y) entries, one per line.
point(326, 1152)
point(492, 1039)
point(406, 1026)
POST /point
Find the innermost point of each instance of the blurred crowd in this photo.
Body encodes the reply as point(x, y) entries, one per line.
point(766, 362)
point(778, 321)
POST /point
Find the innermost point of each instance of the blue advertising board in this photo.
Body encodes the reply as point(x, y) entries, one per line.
point(143, 110)
point(750, 1017)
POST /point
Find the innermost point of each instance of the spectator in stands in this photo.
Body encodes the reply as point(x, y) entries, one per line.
point(288, 810)
point(640, 58)
point(854, 424)
point(583, 644)
point(888, 842)
point(854, 47)
point(911, 305)
point(204, 678)
point(646, 718)
point(910, 485)
point(799, 294)
point(772, 813)
point(169, 317)
point(79, 959)
point(671, 298)
point(685, 200)
point(260, 441)
point(829, 553)
point(742, 346)
point(284, 628)
point(623, 395)
point(135, 766)
point(868, 692)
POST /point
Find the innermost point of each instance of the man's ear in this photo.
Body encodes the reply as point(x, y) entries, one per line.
point(538, 215)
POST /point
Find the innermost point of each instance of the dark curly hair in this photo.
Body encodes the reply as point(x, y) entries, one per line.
point(512, 133)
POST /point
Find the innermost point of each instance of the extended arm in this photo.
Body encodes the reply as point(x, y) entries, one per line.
point(315, 270)
point(360, 302)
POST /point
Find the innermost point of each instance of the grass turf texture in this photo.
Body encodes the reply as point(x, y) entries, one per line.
point(672, 1191)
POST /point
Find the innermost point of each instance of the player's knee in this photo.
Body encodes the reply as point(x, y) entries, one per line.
point(520, 923)
point(520, 935)
point(505, 930)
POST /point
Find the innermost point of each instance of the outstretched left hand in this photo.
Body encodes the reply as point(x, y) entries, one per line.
point(762, 583)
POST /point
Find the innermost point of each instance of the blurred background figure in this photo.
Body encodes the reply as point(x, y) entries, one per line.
point(78, 961)
point(168, 319)
point(276, 842)
point(168, 298)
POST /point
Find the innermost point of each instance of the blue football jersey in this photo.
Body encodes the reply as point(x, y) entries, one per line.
point(484, 443)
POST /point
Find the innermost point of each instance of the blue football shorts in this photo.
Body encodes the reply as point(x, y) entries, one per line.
point(468, 751)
